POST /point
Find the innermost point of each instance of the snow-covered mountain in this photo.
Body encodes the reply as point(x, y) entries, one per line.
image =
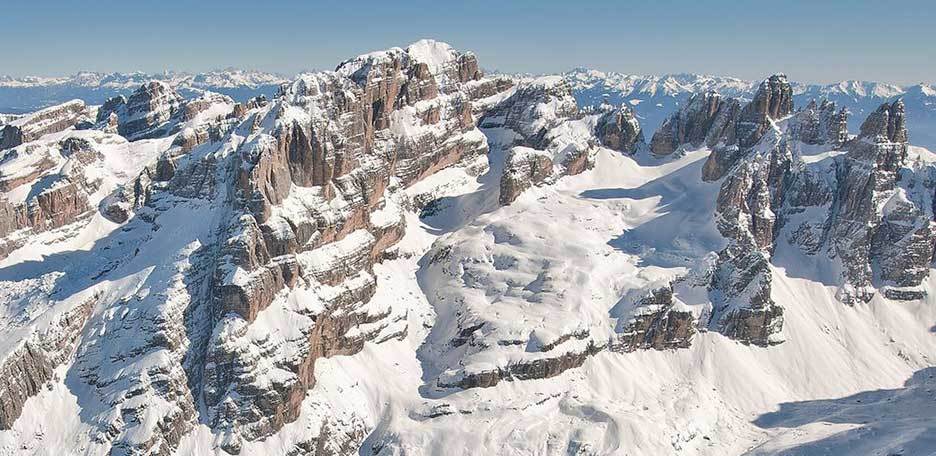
point(21, 95)
point(405, 256)
point(656, 97)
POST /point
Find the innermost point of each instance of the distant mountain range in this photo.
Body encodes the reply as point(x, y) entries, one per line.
point(27, 94)
point(653, 97)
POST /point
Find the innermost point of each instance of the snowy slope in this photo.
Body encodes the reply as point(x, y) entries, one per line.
point(718, 397)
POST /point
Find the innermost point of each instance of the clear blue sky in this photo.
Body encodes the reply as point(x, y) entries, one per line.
point(809, 40)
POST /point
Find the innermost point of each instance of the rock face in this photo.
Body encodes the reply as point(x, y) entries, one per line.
point(880, 220)
point(534, 108)
point(772, 101)
point(539, 115)
point(706, 119)
point(886, 124)
point(619, 130)
point(820, 124)
point(50, 120)
point(59, 187)
point(877, 220)
point(317, 211)
point(155, 110)
point(523, 167)
point(29, 366)
point(656, 324)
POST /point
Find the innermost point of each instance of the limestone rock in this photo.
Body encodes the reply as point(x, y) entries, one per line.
point(620, 130)
point(820, 124)
point(656, 324)
point(706, 119)
point(886, 124)
point(524, 167)
point(50, 120)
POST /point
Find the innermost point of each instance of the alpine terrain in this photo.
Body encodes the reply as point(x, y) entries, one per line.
point(407, 256)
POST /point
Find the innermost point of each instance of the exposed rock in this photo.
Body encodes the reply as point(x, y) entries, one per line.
point(706, 119)
point(541, 112)
point(620, 130)
point(886, 124)
point(523, 168)
point(655, 324)
point(821, 124)
point(772, 101)
point(748, 201)
point(338, 142)
point(62, 200)
point(27, 369)
point(50, 120)
point(534, 108)
point(156, 109)
point(527, 370)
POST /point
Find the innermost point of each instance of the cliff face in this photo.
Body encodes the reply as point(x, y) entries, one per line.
point(298, 199)
point(706, 119)
point(317, 195)
point(767, 188)
point(50, 120)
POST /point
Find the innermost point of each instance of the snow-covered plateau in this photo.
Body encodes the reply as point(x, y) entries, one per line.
point(405, 256)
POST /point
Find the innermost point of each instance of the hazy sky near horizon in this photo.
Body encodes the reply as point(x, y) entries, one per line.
point(809, 40)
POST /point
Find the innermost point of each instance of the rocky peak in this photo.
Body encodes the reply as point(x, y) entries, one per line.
point(706, 119)
point(620, 130)
point(535, 107)
point(711, 120)
point(774, 97)
point(886, 124)
point(772, 101)
point(147, 113)
point(820, 123)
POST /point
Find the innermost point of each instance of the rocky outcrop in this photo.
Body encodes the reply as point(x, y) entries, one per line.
point(64, 196)
point(748, 201)
point(534, 109)
point(523, 168)
point(772, 101)
point(50, 120)
point(820, 124)
point(147, 113)
point(886, 124)
point(155, 110)
point(879, 219)
point(706, 119)
point(619, 130)
point(28, 367)
point(540, 113)
point(525, 370)
point(655, 324)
